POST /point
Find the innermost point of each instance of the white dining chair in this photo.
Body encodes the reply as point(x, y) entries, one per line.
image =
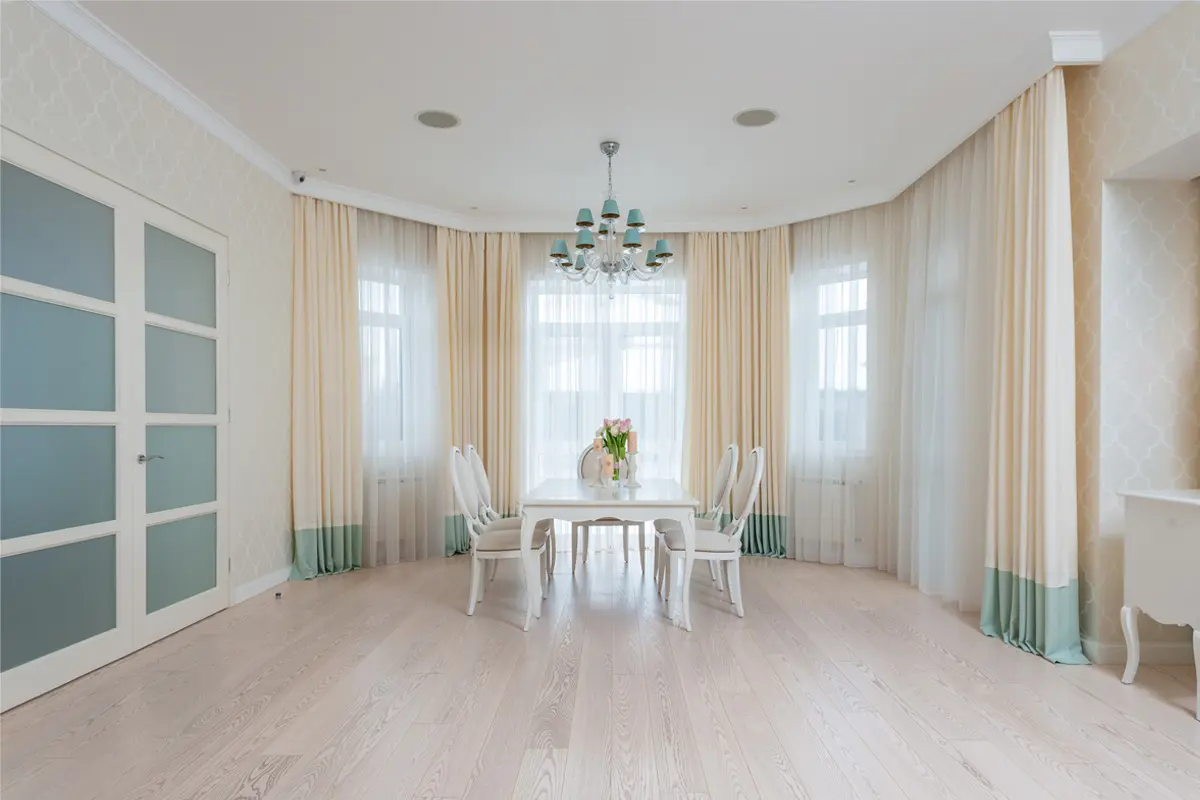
point(589, 467)
point(491, 541)
point(489, 514)
point(722, 485)
point(714, 543)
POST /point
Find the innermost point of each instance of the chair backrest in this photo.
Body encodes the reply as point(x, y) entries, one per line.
point(745, 492)
point(462, 478)
point(589, 463)
point(723, 481)
point(481, 479)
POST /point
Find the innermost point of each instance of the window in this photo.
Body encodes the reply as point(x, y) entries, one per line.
point(841, 342)
point(589, 357)
point(381, 329)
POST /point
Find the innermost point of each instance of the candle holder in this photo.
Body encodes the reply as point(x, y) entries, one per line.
point(630, 473)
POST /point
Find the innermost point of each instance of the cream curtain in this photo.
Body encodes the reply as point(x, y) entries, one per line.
point(479, 296)
point(1031, 598)
point(404, 466)
point(327, 497)
point(738, 368)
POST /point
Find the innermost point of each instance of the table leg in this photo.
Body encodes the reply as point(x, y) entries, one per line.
point(1129, 620)
point(642, 545)
point(529, 565)
point(1196, 654)
point(574, 545)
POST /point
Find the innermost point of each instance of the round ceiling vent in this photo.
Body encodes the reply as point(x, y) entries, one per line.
point(756, 117)
point(437, 119)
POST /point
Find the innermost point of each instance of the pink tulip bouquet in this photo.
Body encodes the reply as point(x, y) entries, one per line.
point(618, 437)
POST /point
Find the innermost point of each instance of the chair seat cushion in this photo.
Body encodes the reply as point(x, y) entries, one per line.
point(508, 537)
point(709, 538)
point(702, 524)
point(515, 522)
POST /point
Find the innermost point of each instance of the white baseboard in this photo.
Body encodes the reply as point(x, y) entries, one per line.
point(259, 585)
point(1151, 652)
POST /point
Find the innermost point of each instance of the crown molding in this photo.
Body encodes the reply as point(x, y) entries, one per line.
point(381, 203)
point(79, 21)
point(84, 25)
point(1075, 48)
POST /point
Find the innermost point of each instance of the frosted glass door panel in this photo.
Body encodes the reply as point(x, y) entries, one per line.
point(186, 475)
point(56, 476)
point(54, 357)
point(181, 560)
point(181, 278)
point(181, 372)
point(53, 236)
point(53, 598)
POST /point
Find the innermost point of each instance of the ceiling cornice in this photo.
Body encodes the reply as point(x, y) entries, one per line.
point(108, 43)
point(1076, 48)
point(114, 47)
point(381, 203)
point(79, 21)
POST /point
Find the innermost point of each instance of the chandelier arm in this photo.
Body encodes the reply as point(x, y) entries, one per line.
point(646, 273)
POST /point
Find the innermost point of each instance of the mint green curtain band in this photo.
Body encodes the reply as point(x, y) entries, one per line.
point(326, 551)
point(766, 535)
point(1035, 618)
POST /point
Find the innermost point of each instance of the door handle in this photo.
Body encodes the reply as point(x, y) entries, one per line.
point(143, 458)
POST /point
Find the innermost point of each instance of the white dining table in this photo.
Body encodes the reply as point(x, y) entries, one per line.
point(576, 500)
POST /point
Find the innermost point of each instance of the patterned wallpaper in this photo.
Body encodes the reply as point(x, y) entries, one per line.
point(57, 91)
point(1137, 305)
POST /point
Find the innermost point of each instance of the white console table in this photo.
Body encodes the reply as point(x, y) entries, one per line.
point(1162, 567)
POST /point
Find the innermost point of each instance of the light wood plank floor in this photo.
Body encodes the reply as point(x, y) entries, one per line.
point(837, 684)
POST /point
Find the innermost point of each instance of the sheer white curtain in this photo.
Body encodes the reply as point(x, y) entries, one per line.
point(833, 450)
point(891, 311)
point(588, 357)
point(403, 462)
point(940, 234)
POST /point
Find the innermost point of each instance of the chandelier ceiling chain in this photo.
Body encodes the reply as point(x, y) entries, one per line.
point(616, 262)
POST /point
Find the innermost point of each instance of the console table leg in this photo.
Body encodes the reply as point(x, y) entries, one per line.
point(1129, 615)
point(1196, 653)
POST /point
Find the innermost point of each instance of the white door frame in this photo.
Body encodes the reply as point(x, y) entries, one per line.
point(134, 629)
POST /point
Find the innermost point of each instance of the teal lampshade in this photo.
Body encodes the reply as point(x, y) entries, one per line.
point(559, 250)
point(610, 210)
point(652, 259)
point(580, 263)
point(604, 229)
point(584, 218)
point(635, 219)
point(584, 240)
point(632, 238)
point(663, 248)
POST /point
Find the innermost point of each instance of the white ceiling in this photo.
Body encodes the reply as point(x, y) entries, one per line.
point(874, 92)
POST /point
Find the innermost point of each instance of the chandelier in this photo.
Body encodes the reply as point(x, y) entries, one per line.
point(617, 256)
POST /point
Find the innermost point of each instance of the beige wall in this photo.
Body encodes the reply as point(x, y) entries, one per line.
point(63, 95)
point(1137, 306)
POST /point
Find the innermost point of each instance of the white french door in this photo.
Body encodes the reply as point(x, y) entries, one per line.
point(113, 426)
